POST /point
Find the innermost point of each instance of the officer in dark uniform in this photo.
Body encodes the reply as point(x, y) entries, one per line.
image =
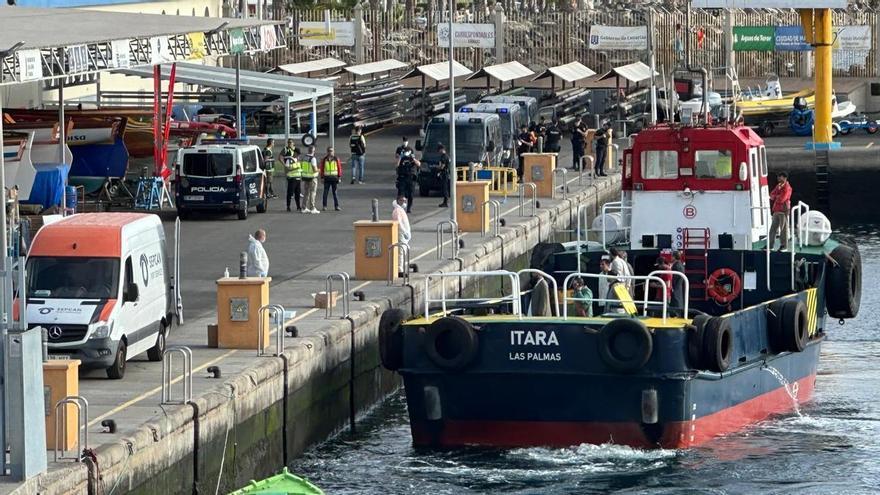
point(407, 168)
point(554, 138)
point(523, 145)
point(443, 169)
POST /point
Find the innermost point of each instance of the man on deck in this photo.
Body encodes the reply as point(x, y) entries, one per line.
point(780, 198)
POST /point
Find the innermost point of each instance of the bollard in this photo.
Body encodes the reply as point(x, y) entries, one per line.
point(242, 264)
point(540, 144)
point(375, 210)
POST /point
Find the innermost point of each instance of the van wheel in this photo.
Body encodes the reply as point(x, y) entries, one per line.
point(263, 206)
point(155, 353)
point(243, 212)
point(117, 370)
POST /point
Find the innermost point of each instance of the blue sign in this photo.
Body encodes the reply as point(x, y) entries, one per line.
point(791, 39)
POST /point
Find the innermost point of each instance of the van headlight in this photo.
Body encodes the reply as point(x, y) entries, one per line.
point(102, 331)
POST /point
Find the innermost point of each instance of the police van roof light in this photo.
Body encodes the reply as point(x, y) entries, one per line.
point(466, 110)
point(502, 110)
point(475, 120)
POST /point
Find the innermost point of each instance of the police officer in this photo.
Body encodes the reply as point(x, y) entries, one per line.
point(407, 169)
point(443, 170)
point(293, 171)
point(541, 130)
point(269, 166)
point(553, 138)
point(523, 145)
point(601, 141)
point(398, 153)
point(357, 143)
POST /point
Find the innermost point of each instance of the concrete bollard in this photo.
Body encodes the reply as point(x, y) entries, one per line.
point(242, 264)
point(375, 210)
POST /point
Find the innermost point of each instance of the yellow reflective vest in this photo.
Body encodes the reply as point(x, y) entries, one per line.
point(330, 168)
point(309, 171)
point(294, 170)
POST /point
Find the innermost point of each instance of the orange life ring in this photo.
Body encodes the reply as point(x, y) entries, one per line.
point(719, 292)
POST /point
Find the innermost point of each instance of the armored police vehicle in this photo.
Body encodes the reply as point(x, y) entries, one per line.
point(477, 138)
point(511, 120)
point(528, 105)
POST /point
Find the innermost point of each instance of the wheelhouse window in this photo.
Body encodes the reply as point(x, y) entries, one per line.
point(713, 164)
point(659, 164)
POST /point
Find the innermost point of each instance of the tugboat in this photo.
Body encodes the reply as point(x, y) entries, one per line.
point(532, 367)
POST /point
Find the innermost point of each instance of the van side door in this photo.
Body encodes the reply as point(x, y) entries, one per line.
point(253, 174)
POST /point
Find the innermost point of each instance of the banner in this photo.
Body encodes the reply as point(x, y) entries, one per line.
point(121, 52)
point(237, 44)
point(754, 38)
point(268, 38)
point(467, 35)
point(159, 50)
point(791, 39)
point(30, 65)
point(316, 34)
point(853, 38)
point(618, 38)
point(197, 46)
point(77, 58)
point(769, 4)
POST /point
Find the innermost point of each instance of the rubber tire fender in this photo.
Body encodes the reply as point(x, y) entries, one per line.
point(718, 344)
point(541, 254)
point(843, 283)
point(391, 339)
point(794, 325)
point(695, 332)
point(451, 343)
point(641, 345)
point(774, 326)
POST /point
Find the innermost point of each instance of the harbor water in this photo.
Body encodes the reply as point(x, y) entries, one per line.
point(831, 446)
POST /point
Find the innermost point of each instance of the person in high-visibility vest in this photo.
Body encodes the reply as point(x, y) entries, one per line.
point(290, 157)
point(331, 173)
point(309, 171)
point(269, 165)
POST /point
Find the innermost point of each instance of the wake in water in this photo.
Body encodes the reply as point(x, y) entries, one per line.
point(790, 388)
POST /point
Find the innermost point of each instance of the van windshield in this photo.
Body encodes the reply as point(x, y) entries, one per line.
point(470, 142)
point(207, 164)
point(72, 278)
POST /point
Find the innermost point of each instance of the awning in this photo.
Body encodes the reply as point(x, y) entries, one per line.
point(634, 73)
point(503, 72)
point(296, 88)
point(374, 67)
point(439, 71)
point(312, 66)
point(570, 72)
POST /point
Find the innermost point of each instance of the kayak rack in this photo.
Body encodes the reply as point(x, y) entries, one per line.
point(167, 363)
point(82, 423)
point(277, 318)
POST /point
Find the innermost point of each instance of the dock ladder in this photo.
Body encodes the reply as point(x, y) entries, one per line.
point(695, 243)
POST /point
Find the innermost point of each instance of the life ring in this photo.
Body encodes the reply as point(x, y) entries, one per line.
point(718, 344)
point(451, 343)
point(391, 339)
point(625, 344)
point(718, 291)
point(843, 282)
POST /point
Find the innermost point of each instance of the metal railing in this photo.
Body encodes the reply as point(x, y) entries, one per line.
point(563, 172)
point(513, 298)
point(623, 209)
point(278, 318)
point(687, 286)
point(581, 233)
point(82, 424)
point(765, 219)
point(588, 170)
point(402, 251)
point(346, 294)
point(522, 197)
point(615, 278)
point(167, 363)
point(545, 276)
point(453, 231)
point(494, 217)
point(803, 211)
point(502, 180)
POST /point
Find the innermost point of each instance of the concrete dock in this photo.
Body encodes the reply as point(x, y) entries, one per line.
point(263, 411)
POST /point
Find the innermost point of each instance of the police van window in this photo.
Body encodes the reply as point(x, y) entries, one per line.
point(207, 164)
point(659, 164)
point(713, 164)
point(249, 161)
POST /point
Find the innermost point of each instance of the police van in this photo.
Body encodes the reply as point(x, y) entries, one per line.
point(101, 285)
point(221, 175)
point(527, 104)
point(477, 140)
point(511, 120)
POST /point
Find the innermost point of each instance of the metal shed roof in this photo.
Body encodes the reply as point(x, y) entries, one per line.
point(570, 72)
point(439, 71)
point(503, 72)
point(635, 72)
point(374, 67)
point(312, 66)
point(297, 88)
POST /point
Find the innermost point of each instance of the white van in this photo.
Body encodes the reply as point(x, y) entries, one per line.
point(100, 285)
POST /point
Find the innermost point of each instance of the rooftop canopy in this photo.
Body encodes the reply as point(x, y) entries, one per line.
point(570, 72)
point(634, 73)
point(375, 67)
point(38, 44)
point(312, 66)
point(503, 72)
point(439, 71)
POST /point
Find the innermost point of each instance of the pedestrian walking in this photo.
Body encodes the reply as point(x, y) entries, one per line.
point(258, 260)
point(331, 173)
point(309, 166)
point(269, 166)
point(443, 169)
point(780, 198)
point(406, 174)
point(357, 143)
point(293, 171)
point(399, 211)
point(554, 138)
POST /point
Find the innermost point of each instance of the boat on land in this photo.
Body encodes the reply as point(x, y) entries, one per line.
point(282, 483)
point(531, 366)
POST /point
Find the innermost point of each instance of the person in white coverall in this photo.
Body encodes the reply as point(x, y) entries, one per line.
point(404, 233)
point(258, 261)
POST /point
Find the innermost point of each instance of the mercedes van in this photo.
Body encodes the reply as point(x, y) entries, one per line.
point(477, 138)
point(528, 105)
point(221, 175)
point(511, 121)
point(99, 283)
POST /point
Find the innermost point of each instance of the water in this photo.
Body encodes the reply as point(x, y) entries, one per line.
point(832, 446)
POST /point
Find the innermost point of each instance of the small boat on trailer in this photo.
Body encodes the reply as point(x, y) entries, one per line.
point(520, 369)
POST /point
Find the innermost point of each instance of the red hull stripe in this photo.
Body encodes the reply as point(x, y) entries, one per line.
point(679, 434)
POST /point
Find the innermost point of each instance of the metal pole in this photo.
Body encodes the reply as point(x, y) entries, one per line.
point(286, 120)
point(653, 66)
point(239, 119)
point(3, 320)
point(62, 142)
point(452, 163)
point(332, 126)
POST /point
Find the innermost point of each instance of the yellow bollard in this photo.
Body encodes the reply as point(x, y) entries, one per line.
point(61, 379)
point(469, 199)
point(238, 320)
point(371, 241)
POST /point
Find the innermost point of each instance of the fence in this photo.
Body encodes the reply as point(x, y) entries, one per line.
point(553, 37)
